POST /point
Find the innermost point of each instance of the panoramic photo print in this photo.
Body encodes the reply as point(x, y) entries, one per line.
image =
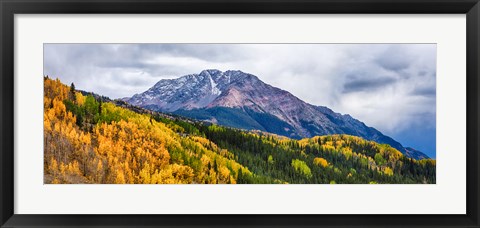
point(239, 113)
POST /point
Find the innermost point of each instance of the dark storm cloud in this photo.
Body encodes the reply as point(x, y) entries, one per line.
point(124, 64)
point(366, 84)
point(426, 92)
point(394, 59)
point(392, 63)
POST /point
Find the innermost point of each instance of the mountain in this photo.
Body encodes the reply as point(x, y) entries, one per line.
point(242, 100)
point(412, 153)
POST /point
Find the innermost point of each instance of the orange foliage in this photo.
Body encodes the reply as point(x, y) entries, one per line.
point(134, 149)
point(320, 161)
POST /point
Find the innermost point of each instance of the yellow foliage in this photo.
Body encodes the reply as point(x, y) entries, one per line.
point(224, 172)
point(388, 171)
point(80, 99)
point(73, 168)
point(53, 167)
point(129, 148)
point(120, 178)
point(321, 162)
point(145, 174)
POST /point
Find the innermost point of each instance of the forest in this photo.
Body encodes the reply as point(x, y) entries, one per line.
point(90, 139)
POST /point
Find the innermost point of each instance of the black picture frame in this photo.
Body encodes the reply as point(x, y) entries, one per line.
point(9, 8)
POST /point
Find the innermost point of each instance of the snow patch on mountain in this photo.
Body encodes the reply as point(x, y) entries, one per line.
point(213, 85)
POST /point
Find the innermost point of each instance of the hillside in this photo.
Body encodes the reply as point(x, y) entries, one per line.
point(90, 140)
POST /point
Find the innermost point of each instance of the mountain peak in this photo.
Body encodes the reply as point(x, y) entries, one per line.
point(247, 102)
point(187, 92)
point(210, 72)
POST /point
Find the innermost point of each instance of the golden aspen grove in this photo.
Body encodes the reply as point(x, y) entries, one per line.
point(89, 139)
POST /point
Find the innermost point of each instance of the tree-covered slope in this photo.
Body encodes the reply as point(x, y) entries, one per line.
point(92, 140)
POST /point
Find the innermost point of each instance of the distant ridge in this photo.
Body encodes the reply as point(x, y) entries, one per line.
point(412, 153)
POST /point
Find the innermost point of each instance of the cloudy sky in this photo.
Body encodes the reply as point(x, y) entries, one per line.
point(391, 87)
